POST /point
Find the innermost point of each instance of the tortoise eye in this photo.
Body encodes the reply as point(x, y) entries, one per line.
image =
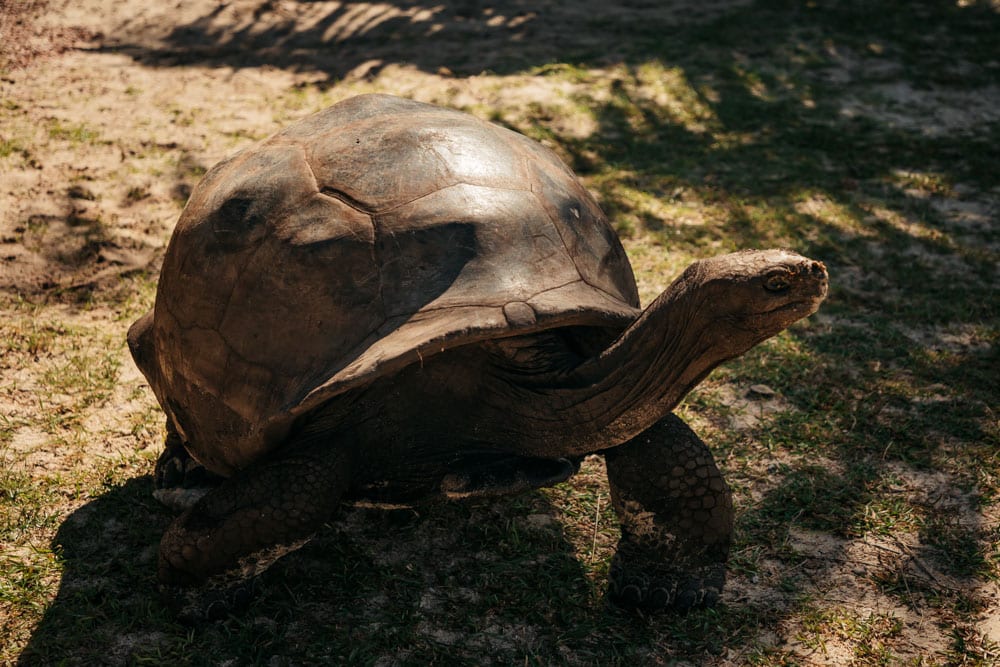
point(776, 282)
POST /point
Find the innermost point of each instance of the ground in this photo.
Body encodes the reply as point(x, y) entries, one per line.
point(862, 445)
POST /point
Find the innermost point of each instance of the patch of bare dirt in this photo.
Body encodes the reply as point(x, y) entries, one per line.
point(932, 110)
point(836, 568)
point(963, 339)
point(25, 37)
point(750, 404)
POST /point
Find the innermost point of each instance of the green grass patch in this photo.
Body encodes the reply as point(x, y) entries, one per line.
point(9, 147)
point(871, 635)
point(76, 133)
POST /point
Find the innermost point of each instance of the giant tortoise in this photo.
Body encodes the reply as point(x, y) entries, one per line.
point(389, 302)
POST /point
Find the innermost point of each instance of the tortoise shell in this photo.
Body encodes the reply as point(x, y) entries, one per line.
point(363, 238)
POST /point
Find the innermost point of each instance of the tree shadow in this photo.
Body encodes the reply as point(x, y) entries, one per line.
point(460, 38)
point(73, 252)
point(873, 397)
point(108, 552)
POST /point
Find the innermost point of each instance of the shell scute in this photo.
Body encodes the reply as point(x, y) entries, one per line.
point(591, 243)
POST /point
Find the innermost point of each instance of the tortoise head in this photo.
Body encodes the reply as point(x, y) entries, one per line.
point(738, 300)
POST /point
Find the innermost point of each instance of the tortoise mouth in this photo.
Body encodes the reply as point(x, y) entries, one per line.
point(797, 308)
point(767, 322)
point(807, 304)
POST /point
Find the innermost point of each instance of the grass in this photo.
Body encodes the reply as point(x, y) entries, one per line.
point(867, 486)
point(9, 147)
point(76, 133)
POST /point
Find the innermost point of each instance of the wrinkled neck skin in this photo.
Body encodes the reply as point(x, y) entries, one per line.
point(640, 378)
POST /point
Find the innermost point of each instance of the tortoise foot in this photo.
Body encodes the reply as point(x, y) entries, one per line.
point(635, 583)
point(239, 528)
point(179, 480)
point(676, 514)
point(176, 469)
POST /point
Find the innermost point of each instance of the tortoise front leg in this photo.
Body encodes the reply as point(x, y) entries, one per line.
point(178, 480)
point(250, 519)
point(676, 515)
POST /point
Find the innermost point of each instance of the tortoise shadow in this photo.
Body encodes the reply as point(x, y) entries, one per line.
point(369, 584)
point(107, 550)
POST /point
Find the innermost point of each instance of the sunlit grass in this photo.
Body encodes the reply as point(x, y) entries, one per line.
point(76, 133)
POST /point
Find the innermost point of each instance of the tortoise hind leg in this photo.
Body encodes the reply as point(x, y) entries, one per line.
point(238, 528)
point(676, 514)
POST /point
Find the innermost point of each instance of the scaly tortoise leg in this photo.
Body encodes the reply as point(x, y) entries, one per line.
point(676, 515)
point(210, 553)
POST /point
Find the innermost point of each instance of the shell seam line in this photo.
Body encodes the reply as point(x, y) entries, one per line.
point(442, 189)
point(376, 232)
point(569, 253)
point(275, 215)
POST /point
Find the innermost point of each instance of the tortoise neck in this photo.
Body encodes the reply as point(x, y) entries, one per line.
point(641, 377)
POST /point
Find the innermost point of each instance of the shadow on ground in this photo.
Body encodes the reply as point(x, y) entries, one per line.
point(368, 586)
point(460, 38)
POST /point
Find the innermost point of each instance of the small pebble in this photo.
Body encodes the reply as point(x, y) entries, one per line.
point(761, 390)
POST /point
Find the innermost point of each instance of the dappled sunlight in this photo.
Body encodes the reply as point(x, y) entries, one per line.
point(361, 18)
point(754, 84)
point(654, 265)
point(820, 207)
point(335, 39)
point(649, 202)
point(907, 224)
point(669, 90)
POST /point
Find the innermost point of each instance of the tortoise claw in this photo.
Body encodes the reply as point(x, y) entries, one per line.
point(657, 587)
point(176, 469)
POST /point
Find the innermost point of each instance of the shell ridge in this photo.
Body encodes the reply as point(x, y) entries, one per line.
point(239, 280)
point(371, 214)
point(278, 214)
point(431, 309)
